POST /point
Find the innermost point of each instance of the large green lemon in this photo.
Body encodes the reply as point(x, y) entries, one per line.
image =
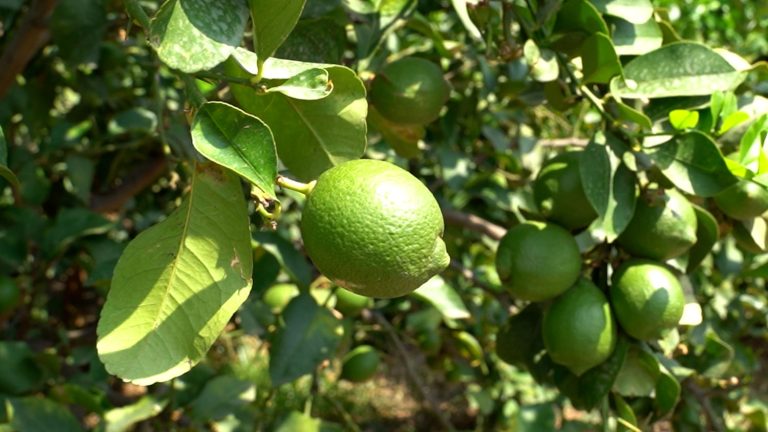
point(411, 90)
point(559, 194)
point(374, 229)
point(537, 261)
point(663, 226)
point(743, 200)
point(647, 298)
point(360, 364)
point(578, 328)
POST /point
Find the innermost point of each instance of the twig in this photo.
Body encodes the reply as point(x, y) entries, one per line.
point(141, 177)
point(563, 142)
point(713, 424)
point(345, 416)
point(31, 35)
point(474, 223)
point(414, 377)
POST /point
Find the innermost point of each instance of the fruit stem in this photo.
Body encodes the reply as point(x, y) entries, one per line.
point(273, 215)
point(304, 188)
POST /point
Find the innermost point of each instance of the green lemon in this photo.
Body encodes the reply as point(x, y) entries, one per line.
point(578, 328)
point(743, 200)
point(559, 194)
point(9, 294)
point(374, 228)
point(663, 226)
point(351, 304)
point(647, 298)
point(537, 261)
point(279, 295)
point(411, 90)
point(360, 364)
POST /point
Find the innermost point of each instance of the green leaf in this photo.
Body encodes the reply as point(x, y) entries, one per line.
point(220, 397)
point(298, 421)
point(20, 372)
point(443, 297)
point(630, 114)
point(677, 69)
point(461, 10)
point(520, 341)
point(178, 283)
point(580, 16)
point(751, 143)
point(311, 84)
point(610, 186)
point(196, 35)
point(625, 413)
point(707, 234)
point(634, 11)
point(542, 62)
point(123, 419)
point(272, 23)
point(71, 224)
point(33, 414)
point(71, 19)
point(599, 59)
point(638, 374)
point(693, 162)
point(239, 141)
point(732, 120)
point(293, 262)
point(404, 139)
point(5, 172)
point(311, 135)
point(683, 119)
point(310, 335)
point(320, 40)
point(634, 39)
point(667, 392)
point(136, 120)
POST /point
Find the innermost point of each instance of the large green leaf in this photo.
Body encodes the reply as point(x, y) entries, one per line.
point(610, 186)
point(599, 59)
point(310, 335)
point(37, 414)
point(196, 35)
point(634, 39)
point(667, 392)
point(677, 69)
point(311, 135)
point(638, 374)
point(404, 139)
point(634, 11)
point(707, 234)
point(220, 397)
point(20, 372)
point(580, 16)
point(272, 23)
point(5, 172)
point(693, 162)
point(293, 262)
point(178, 283)
point(238, 141)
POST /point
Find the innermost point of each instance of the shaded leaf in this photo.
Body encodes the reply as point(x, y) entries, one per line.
point(707, 234)
point(580, 16)
point(634, 39)
point(519, 341)
point(178, 283)
point(677, 69)
point(272, 23)
point(443, 297)
point(624, 412)
point(20, 372)
point(638, 374)
point(71, 224)
point(693, 162)
point(667, 392)
point(599, 59)
point(238, 141)
point(5, 172)
point(404, 139)
point(34, 414)
point(220, 397)
point(71, 19)
point(310, 335)
point(196, 35)
point(290, 259)
point(610, 186)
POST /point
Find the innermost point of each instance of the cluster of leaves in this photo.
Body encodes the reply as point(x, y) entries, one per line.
point(93, 120)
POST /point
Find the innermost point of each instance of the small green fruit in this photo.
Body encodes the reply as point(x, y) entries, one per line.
point(360, 364)
point(743, 200)
point(351, 304)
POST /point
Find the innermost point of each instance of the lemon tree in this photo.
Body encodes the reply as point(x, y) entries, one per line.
point(387, 215)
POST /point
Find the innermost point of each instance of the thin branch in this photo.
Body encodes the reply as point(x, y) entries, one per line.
point(414, 377)
point(563, 142)
point(473, 223)
point(713, 423)
point(141, 177)
point(31, 35)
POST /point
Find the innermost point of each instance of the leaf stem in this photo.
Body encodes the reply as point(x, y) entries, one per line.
point(137, 13)
point(304, 188)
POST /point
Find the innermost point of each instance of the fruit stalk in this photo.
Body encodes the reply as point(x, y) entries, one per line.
point(303, 188)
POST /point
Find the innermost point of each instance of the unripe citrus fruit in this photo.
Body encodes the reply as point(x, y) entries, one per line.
point(559, 194)
point(360, 364)
point(9, 294)
point(578, 328)
point(374, 229)
point(743, 200)
point(663, 226)
point(279, 295)
point(537, 261)
point(647, 298)
point(349, 303)
point(411, 90)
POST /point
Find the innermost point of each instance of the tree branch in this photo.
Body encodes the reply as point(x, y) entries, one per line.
point(141, 177)
point(31, 35)
point(473, 223)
